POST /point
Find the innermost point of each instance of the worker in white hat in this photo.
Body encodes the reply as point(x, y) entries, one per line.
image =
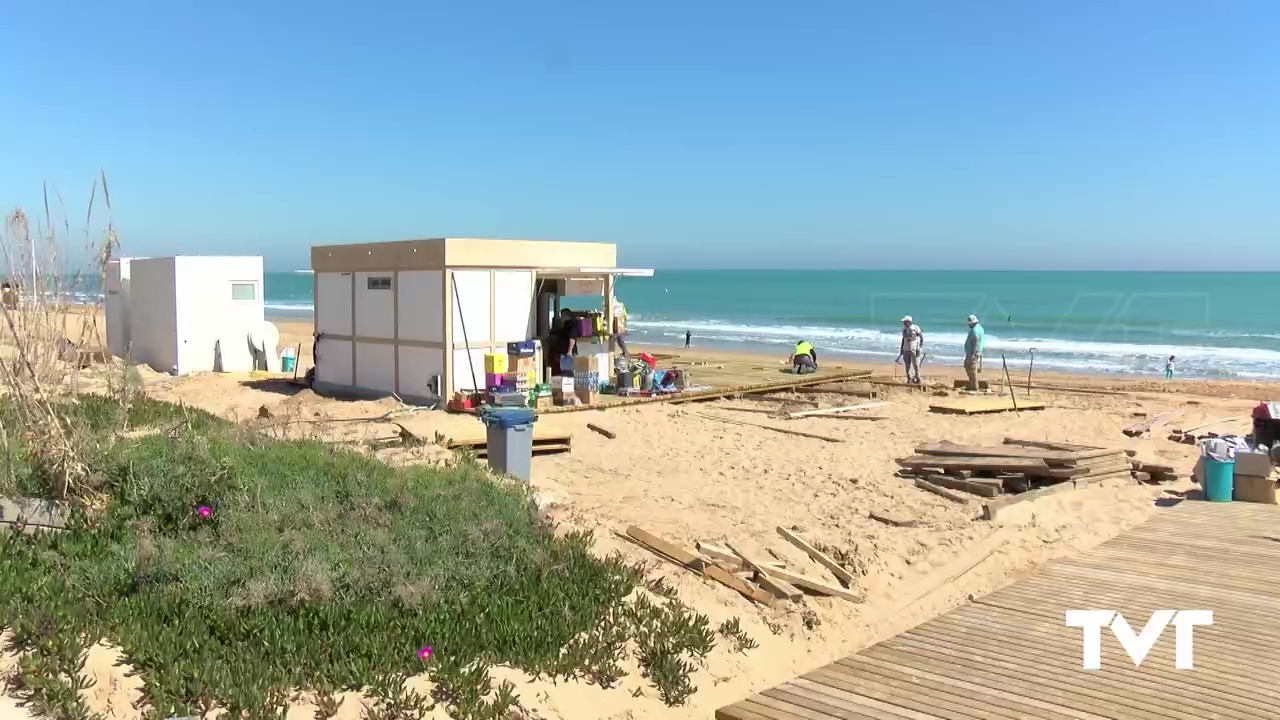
point(973, 351)
point(911, 349)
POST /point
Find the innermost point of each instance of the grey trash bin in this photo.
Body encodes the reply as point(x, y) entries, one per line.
point(509, 436)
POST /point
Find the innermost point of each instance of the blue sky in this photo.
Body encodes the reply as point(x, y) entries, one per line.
point(948, 134)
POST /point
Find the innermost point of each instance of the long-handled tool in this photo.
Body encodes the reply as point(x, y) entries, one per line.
point(1029, 369)
point(1009, 381)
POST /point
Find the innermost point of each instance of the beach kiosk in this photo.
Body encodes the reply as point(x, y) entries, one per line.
point(417, 317)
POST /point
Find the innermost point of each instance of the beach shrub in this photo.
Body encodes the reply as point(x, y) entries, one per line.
point(232, 568)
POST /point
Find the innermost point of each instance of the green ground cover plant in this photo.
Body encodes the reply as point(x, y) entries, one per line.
point(233, 568)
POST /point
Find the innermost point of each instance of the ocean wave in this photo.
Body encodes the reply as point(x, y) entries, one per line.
point(1194, 359)
point(292, 305)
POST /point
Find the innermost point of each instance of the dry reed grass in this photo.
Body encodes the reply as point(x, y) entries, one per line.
point(39, 364)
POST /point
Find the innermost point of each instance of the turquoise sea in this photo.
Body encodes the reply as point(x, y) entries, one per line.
point(1217, 324)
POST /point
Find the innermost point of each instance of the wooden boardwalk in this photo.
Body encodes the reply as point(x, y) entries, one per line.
point(1010, 654)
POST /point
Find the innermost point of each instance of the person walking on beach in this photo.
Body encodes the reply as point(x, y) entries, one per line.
point(620, 326)
point(688, 338)
point(1168, 368)
point(804, 359)
point(973, 344)
point(911, 349)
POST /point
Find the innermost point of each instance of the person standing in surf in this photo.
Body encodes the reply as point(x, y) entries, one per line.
point(1168, 368)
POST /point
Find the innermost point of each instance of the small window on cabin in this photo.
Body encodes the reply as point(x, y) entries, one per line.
point(381, 282)
point(244, 291)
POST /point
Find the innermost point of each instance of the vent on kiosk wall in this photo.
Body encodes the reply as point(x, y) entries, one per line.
point(379, 282)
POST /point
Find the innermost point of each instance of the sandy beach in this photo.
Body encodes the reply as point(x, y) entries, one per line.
point(689, 478)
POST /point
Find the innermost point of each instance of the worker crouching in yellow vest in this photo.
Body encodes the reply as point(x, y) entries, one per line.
point(804, 359)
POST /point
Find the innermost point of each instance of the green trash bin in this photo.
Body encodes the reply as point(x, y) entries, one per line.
point(1219, 479)
point(509, 439)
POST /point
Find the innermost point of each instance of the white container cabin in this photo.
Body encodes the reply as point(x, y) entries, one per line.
point(116, 307)
point(192, 313)
point(416, 317)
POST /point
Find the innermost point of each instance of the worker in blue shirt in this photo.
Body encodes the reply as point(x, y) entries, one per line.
point(973, 351)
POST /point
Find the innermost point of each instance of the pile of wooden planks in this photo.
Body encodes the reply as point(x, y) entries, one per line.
point(543, 444)
point(1015, 466)
point(762, 582)
point(1146, 472)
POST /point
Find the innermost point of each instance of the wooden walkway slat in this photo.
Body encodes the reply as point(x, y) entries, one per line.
point(1010, 655)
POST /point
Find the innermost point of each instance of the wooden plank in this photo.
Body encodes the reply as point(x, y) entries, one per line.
point(779, 588)
point(716, 552)
point(939, 660)
point(805, 582)
point(777, 411)
point(1044, 700)
point(944, 690)
point(688, 559)
point(836, 703)
point(786, 431)
point(1211, 423)
point(1141, 428)
point(940, 491)
point(818, 378)
point(775, 709)
point(667, 549)
point(538, 439)
point(1049, 457)
point(930, 706)
point(979, 486)
point(834, 410)
point(991, 510)
point(889, 517)
point(869, 393)
point(980, 405)
point(818, 556)
point(546, 449)
point(993, 464)
point(597, 429)
point(1051, 445)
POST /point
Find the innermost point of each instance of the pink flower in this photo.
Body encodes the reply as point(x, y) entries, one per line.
point(204, 511)
point(425, 653)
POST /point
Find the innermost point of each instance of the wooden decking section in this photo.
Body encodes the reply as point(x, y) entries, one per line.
point(1010, 654)
point(984, 404)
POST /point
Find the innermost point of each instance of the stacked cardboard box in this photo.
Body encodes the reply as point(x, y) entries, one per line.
point(586, 378)
point(1253, 481)
point(561, 390)
point(495, 363)
point(522, 364)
